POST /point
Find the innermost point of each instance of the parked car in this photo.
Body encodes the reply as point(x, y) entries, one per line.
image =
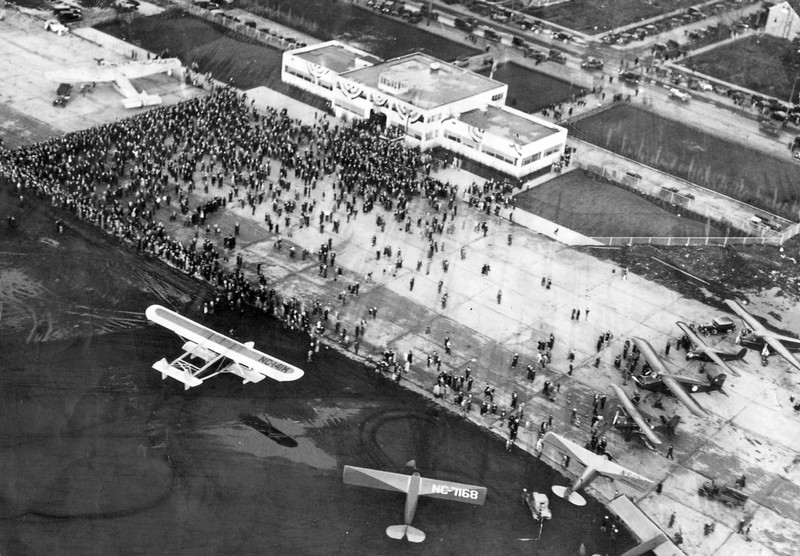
point(557, 57)
point(725, 494)
point(56, 27)
point(718, 325)
point(592, 64)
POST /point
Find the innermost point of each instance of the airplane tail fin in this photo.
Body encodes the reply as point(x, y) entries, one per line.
point(567, 493)
point(742, 353)
point(668, 427)
point(717, 381)
point(400, 531)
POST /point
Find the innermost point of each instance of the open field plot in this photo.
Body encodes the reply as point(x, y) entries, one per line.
point(531, 91)
point(212, 47)
point(729, 168)
point(761, 63)
point(595, 17)
point(598, 209)
point(367, 29)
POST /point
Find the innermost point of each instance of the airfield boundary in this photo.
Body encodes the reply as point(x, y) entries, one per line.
point(678, 191)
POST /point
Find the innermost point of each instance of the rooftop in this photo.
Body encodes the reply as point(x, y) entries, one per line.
point(426, 88)
point(338, 58)
point(508, 125)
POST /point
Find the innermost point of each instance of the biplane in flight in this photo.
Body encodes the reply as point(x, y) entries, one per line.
point(765, 341)
point(216, 353)
point(414, 486)
point(596, 465)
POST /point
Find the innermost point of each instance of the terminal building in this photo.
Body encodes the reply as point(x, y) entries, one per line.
point(430, 104)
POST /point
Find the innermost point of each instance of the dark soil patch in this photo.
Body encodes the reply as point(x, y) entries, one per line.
point(727, 270)
point(761, 180)
point(531, 91)
point(597, 209)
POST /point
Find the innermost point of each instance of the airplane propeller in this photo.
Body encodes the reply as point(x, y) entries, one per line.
point(668, 427)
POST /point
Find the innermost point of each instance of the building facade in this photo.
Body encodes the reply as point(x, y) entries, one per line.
point(430, 103)
point(782, 21)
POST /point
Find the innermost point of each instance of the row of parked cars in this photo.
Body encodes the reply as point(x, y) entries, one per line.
point(214, 8)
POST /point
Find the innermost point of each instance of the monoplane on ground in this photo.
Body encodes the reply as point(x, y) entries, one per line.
point(679, 386)
point(595, 465)
point(120, 75)
point(702, 352)
point(758, 338)
point(216, 352)
point(414, 486)
point(630, 421)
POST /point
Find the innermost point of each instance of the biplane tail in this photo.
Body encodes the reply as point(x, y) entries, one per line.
point(400, 531)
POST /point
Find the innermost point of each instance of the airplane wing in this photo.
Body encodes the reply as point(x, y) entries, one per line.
point(644, 427)
point(650, 356)
point(749, 319)
point(774, 341)
point(679, 392)
point(84, 74)
point(700, 346)
point(776, 344)
point(372, 478)
point(134, 70)
point(245, 355)
point(603, 466)
point(447, 490)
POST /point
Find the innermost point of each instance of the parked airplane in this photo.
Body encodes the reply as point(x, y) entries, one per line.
point(120, 75)
point(630, 420)
point(218, 353)
point(595, 465)
point(663, 381)
point(763, 340)
point(702, 352)
point(414, 486)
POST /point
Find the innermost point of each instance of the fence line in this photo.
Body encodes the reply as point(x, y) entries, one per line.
point(746, 224)
point(687, 241)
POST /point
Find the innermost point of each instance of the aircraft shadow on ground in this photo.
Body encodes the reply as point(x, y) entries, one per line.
point(266, 428)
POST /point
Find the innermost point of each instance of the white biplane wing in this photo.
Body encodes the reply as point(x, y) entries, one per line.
point(219, 353)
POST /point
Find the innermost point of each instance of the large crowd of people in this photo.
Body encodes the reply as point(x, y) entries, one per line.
point(187, 161)
point(194, 158)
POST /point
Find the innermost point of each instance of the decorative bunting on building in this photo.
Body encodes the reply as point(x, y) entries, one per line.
point(379, 99)
point(315, 70)
point(349, 89)
point(476, 133)
point(409, 114)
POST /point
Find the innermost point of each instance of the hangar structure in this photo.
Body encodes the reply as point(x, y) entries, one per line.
point(428, 103)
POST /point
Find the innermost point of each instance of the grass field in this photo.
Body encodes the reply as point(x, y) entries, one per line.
point(762, 63)
point(598, 209)
point(596, 16)
point(530, 90)
point(729, 168)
